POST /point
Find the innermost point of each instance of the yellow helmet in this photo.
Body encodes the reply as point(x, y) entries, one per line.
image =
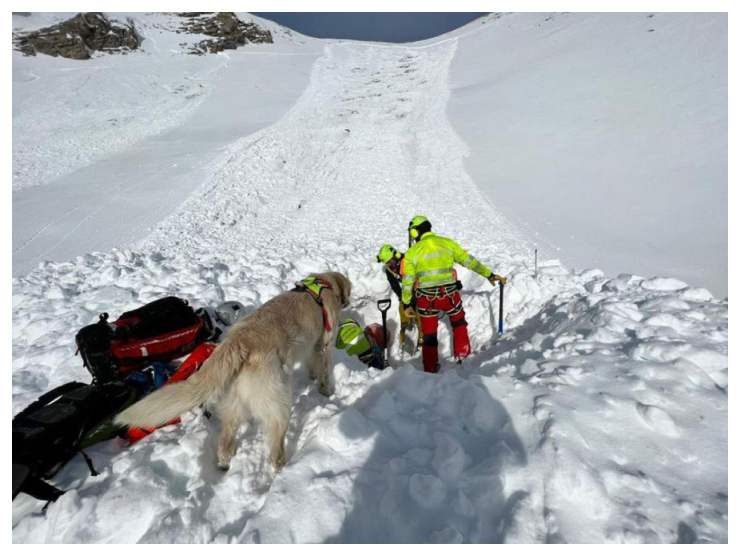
point(387, 252)
point(419, 225)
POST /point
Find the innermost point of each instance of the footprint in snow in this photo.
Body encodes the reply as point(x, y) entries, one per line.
point(427, 490)
point(541, 407)
point(657, 419)
point(622, 477)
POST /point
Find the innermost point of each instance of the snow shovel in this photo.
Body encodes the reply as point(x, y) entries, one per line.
point(383, 306)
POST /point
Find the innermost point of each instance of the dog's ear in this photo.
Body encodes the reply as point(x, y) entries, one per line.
point(341, 286)
point(345, 287)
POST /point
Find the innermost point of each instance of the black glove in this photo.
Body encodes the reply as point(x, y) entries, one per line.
point(493, 278)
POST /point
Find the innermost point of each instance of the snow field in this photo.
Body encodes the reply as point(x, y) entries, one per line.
point(118, 198)
point(604, 135)
point(68, 114)
point(406, 456)
point(600, 415)
point(626, 394)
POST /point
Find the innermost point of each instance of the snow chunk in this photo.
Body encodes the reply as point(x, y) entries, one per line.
point(427, 490)
point(665, 304)
point(666, 320)
point(591, 274)
point(449, 457)
point(697, 294)
point(342, 433)
point(448, 535)
point(657, 419)
point(622, 282)
point(664, 284)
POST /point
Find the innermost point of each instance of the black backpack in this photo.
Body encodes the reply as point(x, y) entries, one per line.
point(59, 425)
point(162, 330)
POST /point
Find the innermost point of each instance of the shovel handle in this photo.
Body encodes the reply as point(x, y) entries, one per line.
point(384, 305)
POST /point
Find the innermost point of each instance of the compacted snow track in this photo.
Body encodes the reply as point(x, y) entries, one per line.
point(366, 147)
point(120, 198)
point(599, 416)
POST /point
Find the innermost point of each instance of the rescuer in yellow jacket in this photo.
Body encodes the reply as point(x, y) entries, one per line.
point(367, 343)
point(429, 276)
point(392, 260)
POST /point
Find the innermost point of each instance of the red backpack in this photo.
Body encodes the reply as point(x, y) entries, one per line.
point(162, 330)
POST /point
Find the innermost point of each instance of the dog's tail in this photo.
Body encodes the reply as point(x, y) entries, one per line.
point(173, 400)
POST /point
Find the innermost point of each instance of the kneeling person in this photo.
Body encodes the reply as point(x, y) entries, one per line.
point(367, 344)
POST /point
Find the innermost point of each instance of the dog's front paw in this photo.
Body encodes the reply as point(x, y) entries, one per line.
point(327, 390)
point(224, 465)
point(278, 463)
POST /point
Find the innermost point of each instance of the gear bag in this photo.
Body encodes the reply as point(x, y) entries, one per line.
point(59, 425)
point(192, 363)
point(162, 330)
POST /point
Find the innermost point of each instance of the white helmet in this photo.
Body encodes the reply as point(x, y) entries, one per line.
point(230, 311)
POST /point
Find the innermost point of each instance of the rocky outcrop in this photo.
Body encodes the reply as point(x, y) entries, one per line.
point(79, 37)
point(228, 31)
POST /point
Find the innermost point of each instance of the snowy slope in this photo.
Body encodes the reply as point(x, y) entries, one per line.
point(600, 415)
point(604, 134)
point(69, 113)
point(152, 127)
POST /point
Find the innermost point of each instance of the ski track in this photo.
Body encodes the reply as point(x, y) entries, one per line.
point(600, 416)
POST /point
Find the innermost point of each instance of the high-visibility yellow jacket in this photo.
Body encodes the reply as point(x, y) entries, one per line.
point(351, 338)
point(429, 262)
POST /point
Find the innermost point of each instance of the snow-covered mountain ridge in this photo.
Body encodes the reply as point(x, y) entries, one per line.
point(68, 114)
point(599, 416)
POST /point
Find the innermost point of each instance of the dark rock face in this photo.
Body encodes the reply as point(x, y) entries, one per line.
point(79, 37)
point(228, 30)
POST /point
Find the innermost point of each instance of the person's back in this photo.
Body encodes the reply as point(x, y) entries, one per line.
point(433, 258)
point(429, 277)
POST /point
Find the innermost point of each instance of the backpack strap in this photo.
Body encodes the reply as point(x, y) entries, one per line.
point(89, 463)
point(50, 396)
point(35, 486)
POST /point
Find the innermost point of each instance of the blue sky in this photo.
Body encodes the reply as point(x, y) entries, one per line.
point(372, 26)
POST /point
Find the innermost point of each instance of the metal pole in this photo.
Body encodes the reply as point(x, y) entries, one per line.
point(385, 340)
point(500, 308)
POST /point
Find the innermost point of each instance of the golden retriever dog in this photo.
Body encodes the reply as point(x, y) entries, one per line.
point(249, 371)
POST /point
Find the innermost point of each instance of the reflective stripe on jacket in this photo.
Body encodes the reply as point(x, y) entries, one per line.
point(351, 338)
point(430, 262)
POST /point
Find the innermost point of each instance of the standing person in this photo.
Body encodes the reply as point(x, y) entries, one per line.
point(392, 260)
point(428, 275)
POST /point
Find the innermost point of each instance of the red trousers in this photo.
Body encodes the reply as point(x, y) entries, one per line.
point(431, 304)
